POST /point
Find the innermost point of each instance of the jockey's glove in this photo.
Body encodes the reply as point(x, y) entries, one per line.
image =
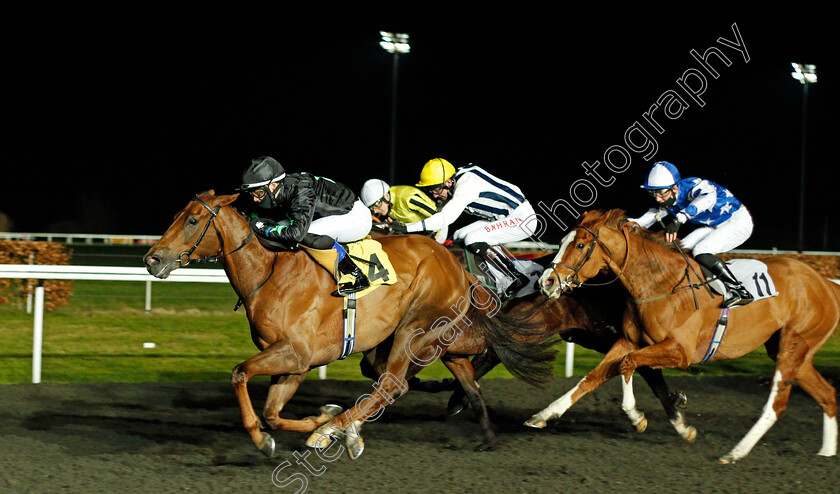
point(398, 228)
point(266, 228)
point(673, 226)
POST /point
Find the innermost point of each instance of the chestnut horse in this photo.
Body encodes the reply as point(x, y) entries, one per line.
point(297, 325)
point(674, 332)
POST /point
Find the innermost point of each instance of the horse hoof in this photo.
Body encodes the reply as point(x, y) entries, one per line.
point(454, 407)
point(679, 399)
point(486, 445)
point(331, 410)
point(691, 435)
point(535, 422)
point(355, 447)
point(726, 459)
point(268, 446)
point(642, 425)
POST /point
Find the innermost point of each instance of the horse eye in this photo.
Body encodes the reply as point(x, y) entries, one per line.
point(192, 221)
point(580, 246)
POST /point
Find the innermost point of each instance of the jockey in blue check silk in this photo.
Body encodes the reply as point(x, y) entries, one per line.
point(723, 222)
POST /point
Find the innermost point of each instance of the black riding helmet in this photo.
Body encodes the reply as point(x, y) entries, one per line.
point(262, 172)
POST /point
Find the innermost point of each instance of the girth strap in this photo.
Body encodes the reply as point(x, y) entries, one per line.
point(349, 339)
point(717, 338)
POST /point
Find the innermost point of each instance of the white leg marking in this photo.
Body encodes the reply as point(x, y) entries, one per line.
point(628, 403)
point(829, 445)
point(687, 432)
point(767, 419)
point(559, 406)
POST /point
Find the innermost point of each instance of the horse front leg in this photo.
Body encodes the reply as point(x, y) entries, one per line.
point(667, 353)
point(279, 358)
point(281, 391)
point(604, 371)
point(671, 402)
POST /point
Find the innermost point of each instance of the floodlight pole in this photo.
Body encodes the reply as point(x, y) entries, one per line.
point(392, 167)
point(396, 44)
point(806, 74)
point(802, 155)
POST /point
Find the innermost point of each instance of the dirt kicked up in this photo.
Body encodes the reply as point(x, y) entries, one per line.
point(189, 438)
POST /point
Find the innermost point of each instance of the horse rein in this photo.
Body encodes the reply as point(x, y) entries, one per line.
point(686, 276)
point(209, 259)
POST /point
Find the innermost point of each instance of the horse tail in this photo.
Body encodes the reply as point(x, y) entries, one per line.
point(526, 348)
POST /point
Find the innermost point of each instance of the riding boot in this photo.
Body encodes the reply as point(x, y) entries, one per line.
point(520, 280)
point(347, 266)
point(736, 293)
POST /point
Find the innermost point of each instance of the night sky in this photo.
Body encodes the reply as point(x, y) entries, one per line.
point(117, 113)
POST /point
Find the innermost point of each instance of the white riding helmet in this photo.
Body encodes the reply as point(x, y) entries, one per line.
point(661, 176)
point(373, 190)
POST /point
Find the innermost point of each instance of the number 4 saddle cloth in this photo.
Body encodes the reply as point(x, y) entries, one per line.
point(368, 255)
point(754, 276)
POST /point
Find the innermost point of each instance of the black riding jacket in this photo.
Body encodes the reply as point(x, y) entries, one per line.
point(304, 197)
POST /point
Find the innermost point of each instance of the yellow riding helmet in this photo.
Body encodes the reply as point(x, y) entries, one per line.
point(435, 172)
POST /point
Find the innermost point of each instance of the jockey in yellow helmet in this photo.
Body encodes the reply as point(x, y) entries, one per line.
point(500, 206)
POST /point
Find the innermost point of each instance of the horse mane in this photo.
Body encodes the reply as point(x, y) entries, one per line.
point(617, 218)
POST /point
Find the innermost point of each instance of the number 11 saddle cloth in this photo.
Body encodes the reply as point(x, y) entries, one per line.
point(754, 276)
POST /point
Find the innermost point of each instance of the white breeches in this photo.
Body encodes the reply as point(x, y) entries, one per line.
point(509, 229)
point(349, 227)
point(721, 238)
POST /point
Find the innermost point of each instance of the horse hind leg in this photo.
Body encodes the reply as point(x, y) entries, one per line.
point(463, 371)
point(813, 383)
point(792, 353)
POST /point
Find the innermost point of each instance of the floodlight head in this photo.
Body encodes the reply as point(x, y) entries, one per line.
point(394, 42)
point(804, 73)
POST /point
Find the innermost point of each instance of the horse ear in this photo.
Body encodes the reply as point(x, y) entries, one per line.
point(228, 199)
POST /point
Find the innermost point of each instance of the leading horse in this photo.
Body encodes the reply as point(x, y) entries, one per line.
point(678, 327)
point(297, 325)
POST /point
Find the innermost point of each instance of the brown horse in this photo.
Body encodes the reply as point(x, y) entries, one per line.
point(591, 317)
point(676, 333)
point(297, 325)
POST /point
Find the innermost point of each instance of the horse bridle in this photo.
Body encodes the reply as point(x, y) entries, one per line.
point(573, 279)
point(209, 259)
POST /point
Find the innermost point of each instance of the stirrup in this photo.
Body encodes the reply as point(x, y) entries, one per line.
point(520, 282)
point(736, 298)
point(345, 289)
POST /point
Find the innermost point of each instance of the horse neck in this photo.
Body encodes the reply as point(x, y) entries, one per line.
point(252, 264)
point(651, 269)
